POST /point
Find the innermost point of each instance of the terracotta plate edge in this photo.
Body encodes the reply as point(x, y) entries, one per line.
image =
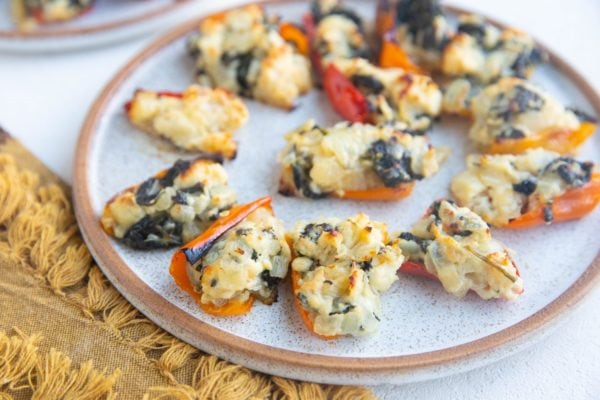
point(123, 276)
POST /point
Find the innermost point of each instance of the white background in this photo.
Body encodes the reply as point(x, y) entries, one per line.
point(44, 99)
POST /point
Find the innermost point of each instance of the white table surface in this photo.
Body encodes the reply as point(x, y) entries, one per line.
point(44, 99)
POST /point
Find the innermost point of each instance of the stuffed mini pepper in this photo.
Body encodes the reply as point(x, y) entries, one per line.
point(422, 37)
point(199, 119)
point(339, 270)
point(362, 92)
point(357, 89)
point(241, 257)
point(355, 161)
point(242, 51)
point(171, 207)
point(534, 188)
point(484, 53)
point(454, 246)
point(513, 115)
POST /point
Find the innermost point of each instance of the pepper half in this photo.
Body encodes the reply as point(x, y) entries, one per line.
point(418, 268)
point(563, 141)
point(380, 194)
point(574, 204)
point(345, 98)
point(194, 250)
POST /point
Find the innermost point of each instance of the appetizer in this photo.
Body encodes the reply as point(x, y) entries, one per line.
point(199, 119)
point(362, 92)
point(241, 257)
point(339, 270)
point(534, 188)
point(29, 13)
point(242, 51)
point(170, 208)
point(484, 53)
point(513, 115)
point(454, 245)
point(355, 161)
point(421, 37)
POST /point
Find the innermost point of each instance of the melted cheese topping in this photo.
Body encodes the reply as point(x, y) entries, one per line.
point(337, 34)
point(423, 35)
point(458, 96)
point(514, 108)
point(171, 208)
point(250, 259)
point(394, 95)
point(483, 52)
point(317, 161)
point(243, 52)
point(344, 266)
point(456, 245)
point(502, 187)
point(27, 13)
point(202, 119)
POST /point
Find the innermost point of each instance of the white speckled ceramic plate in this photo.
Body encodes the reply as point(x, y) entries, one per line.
point(108, 21)
point(425, 332)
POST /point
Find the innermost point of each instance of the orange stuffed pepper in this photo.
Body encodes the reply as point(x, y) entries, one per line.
point(513, 115)
point(454, 246)
point(355, 161)
point(339, 271)
point(241, 257)
point(534, 188)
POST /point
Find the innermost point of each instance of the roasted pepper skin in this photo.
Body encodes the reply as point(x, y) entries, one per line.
point(574, 204)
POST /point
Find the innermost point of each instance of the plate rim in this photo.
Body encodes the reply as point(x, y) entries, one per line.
point(179, 323)
point(16, 34)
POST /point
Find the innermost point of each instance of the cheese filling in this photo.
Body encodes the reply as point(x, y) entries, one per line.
point(456, 245)
point(201, 119)
point(422, 31)
point(393, 95)
point(513, 109)
point(339, 32)
point(171, 208)
point(485, 53)
point(243, 52)
point(344, 266)
point(318, 162)
point(502, 187)
point(249, 260)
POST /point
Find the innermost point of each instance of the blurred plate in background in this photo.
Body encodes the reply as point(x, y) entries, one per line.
point(109, 21)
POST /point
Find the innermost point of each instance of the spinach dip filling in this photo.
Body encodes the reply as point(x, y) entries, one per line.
point(394, 95)
point(503, 187)
point(250, 259)
point(243, 52)
point(514, 109)
point(456, 246)
point(343, 266)
point(339, 31)
point(199, 119)
point(319, 162)
point(170, 208)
